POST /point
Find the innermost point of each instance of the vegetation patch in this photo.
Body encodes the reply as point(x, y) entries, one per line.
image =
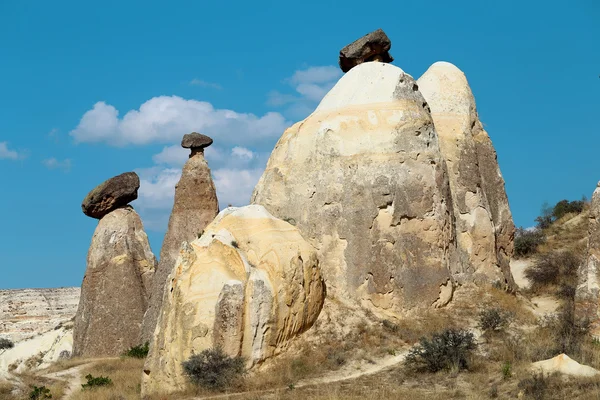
point(448, 350)
point(6, 344)
point(213, 369)
point(139, 351)
point(96, 381)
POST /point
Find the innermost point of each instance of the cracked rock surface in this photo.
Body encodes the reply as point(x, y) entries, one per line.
point(249, 284)
point(364, 181)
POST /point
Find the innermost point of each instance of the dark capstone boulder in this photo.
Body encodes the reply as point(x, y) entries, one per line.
point(374, 46)
point(111, 194)
point(195, 140)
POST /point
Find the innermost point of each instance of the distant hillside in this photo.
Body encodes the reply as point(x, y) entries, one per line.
point(28, 312)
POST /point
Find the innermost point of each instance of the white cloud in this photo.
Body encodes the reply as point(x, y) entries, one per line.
point(235, 172)
point(53, 163)
point(310, 86)
point(165, 119)
point(155, 196)
point(235, 186)
point(242, 152)
point(6, 153)
point(324, 74)
point(202, 83)
point(174, 156)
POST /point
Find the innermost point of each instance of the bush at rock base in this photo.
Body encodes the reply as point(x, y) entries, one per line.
point(450, 349)
point(213, 369)
point(139, 351)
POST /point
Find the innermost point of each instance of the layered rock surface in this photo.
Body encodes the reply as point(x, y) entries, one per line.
point(114, 293)
point(587, 294)
point(484, 225)
point(249, 285)
point(26, 313)
point(194, 208)
point(364, 181)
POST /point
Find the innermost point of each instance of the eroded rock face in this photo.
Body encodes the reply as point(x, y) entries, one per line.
point(194, 208)
point(25, 313)
point(114, 293)
point(374, 46)
point(484, 226)
point(364, 181)
point(111, 194)
point(587, 295)
point(249, 285)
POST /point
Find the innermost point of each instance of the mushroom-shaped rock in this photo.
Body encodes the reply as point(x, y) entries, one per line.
point(195, 207)
point(565, 365)
point(248, 285)
point(195, 140)
point(114, 292)
point(111, 194)
point(364, 181)
point(373, 46)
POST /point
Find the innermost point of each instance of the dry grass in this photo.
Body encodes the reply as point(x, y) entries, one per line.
point(126, 375)
point(9, 391)
point(64, 364)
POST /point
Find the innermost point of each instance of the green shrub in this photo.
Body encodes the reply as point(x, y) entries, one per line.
point(39, 393)
point(444, 351)
point(140, 351)
point(527, 241)
point(6, 344)
point(96, 381)
point(213, 369)
point(493, 319)
point(506, 370)
point(565, 207)
point(554, 269)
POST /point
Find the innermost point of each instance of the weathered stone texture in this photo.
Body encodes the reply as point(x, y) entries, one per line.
point(484, 226)
point(374, 46)
point(111, 194)
point(587, 295)
point(114, 293)
point(194, 208)
point(364, 181)
point(249, 284)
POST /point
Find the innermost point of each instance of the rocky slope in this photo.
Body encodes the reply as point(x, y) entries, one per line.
point(27, 313)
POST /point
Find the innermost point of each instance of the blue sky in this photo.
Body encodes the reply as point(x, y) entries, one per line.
point(89, 90)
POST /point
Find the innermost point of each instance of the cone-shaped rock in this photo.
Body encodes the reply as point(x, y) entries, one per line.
point(587, 295)
point(484, 226)
point(248, 285)
point(364, 181)
point(194, 208)
point(114, 293)
point(111, 194)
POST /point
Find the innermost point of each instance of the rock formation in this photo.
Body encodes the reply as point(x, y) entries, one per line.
point(112, 194)
point(249, 285)
point(563, 364)
point(374, 46)
point(587, 294)
point(484, 226)
point(195, 207)
point(26, 313)
point(114, 293)
point(364, 181)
